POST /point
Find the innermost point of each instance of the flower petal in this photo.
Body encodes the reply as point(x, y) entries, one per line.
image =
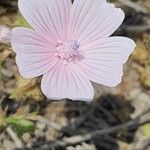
point(49, 17)
point(104, 59)
point(35, 55)
point(94, 19)
point(67, 81)
point(81, 13)
point(27, 40)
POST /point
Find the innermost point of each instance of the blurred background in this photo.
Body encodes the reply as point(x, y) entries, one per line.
point(117, 119)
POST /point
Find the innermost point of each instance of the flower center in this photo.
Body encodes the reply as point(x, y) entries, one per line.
point(69, 51)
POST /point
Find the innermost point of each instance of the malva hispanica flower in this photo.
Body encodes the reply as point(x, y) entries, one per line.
point(70, 45)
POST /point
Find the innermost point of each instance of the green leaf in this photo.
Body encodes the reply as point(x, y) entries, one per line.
point(21, 22)
point(20, 125)
point(146, 130)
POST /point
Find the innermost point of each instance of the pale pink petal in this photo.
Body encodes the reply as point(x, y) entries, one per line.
point(35, 55)
point(104, 59)
point(67, 81)
point(94, 19)
point(81, 13)
point(27, 40)
point(49, 17)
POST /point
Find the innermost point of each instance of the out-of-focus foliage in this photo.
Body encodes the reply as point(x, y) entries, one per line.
point(2, 10)
point(26, 88)
point(141, 56)
point(145, 77)
point(147, 3)
point(146, 130)
point(19, 122)
point(2, 121)
point(140, 53)
point(20, 125)
point(4, 54)
point(21, 22)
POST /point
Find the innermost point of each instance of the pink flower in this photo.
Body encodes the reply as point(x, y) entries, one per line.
point(70, 45)
point(5, 34)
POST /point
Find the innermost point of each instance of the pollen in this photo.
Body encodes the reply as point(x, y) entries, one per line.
point(69, 51)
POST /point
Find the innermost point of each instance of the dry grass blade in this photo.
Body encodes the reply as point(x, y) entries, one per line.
point(135, 6)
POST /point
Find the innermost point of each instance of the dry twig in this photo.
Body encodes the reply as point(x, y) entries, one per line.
point(140, 120)
point(50, 123)
point(15, 138)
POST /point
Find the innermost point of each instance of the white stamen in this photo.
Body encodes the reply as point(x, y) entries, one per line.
point(69, 51)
